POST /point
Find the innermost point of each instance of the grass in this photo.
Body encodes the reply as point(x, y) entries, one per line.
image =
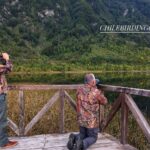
point(35, 100)
point(135, 134)
point(102, 57)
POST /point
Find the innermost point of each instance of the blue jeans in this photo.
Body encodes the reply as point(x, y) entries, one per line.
point(3, 120)
point(88, 135)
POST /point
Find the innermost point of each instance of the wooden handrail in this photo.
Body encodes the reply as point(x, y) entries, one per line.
point(44, 87)
point(127, 90)
point(123, 102)
point(109, 88)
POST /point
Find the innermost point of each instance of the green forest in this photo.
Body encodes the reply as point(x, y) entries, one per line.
point(64, 35)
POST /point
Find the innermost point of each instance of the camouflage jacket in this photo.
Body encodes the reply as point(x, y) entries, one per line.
point(88, 104)
point(4, 70)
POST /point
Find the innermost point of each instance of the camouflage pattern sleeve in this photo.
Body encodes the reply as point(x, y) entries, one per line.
point(100, 96)
point(93, 107)
point(6, 68)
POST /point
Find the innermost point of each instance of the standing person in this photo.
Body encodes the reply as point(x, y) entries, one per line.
point(5, 68)
point(88, 100)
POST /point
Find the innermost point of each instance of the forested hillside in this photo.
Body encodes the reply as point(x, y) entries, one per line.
point(64, 34)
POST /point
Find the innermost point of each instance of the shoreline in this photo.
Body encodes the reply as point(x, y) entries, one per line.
point(78, 72)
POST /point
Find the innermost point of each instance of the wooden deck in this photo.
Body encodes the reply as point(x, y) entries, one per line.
point(58, 142)
point(124, 103)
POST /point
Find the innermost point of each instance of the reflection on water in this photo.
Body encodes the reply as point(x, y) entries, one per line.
point(136, 80)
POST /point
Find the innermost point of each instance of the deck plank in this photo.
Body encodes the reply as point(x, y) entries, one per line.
point(58, 142)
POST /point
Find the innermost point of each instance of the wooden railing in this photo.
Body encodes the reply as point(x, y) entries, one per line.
point(61, 94)
point(124, 102)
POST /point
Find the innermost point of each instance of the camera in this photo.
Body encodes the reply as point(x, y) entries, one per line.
point(2, 60)
point(98, 82)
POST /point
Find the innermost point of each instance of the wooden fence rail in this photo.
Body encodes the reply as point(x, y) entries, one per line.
point(124, 102)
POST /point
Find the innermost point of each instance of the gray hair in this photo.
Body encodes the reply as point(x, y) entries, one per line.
point(88, 78)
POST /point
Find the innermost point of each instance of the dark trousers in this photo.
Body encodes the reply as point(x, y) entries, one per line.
point(3, 120)
point(88, 135)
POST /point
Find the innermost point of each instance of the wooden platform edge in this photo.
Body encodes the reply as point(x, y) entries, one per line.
point(42, 142)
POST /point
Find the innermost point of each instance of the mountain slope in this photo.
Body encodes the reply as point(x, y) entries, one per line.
point(59, 29)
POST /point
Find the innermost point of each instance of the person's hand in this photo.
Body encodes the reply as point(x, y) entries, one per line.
point(5, 56)
point(102, 92)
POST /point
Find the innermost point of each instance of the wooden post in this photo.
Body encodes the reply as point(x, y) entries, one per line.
point(101, 116)
point(124, 120)
point(21, 114)
point(62, 114)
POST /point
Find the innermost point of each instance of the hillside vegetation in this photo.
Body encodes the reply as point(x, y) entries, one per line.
point(64, 34)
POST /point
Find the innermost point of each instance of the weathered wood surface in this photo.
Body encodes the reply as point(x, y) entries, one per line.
point(124, 102)
point(139, 117)
point(21, 113)
point(110, 88)
point(101, 115)
point(62, 111)
point(43, 87)
point(112, 113)
point(13, 126)
point(42, 112)
point(70, 100)
point(58, 142)
point(124, 120)
point(127, 90)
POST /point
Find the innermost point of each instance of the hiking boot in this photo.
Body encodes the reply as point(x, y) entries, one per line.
point(10, 144)
point(78, 144)
point(71, 141)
